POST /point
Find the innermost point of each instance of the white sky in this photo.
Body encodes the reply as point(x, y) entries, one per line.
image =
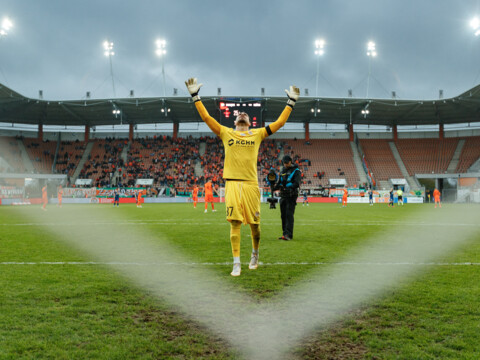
point(241, 46)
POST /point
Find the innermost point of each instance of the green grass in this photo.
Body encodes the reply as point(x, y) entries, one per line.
point(92, 312)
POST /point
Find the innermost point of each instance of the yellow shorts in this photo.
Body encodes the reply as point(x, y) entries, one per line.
point(242, 199)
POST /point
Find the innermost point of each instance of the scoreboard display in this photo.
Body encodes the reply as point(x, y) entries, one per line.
point(230, 109)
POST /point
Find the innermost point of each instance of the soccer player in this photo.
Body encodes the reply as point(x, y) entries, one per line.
point(116, 197)
point(400, 196)
point(138, 195)
point(195, 196)
point(209, 195)
point(436, 196)
point(390, 203)
point(305, 198)
point(44, 198)
point(59, 196)
point(242, 195)
point(370, 197)
point(345, 197)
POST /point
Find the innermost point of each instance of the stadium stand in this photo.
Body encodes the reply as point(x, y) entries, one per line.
point(172, 162)
point(425, 156)
point(321, 160)
point(470, 154)
point(11, 154)
point(41, 153)
point(380, 159)
point(103, 161)
point(212, 161)
point(69, 155)
point(269, 157)
point(168, 161)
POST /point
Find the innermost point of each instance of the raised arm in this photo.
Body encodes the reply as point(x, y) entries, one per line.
point(293, 96)
point(193, 89)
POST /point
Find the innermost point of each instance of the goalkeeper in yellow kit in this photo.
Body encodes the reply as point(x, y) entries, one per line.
point(242, 195)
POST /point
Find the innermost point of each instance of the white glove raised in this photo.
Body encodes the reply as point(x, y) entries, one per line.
point(193, 88)
point(293, 95)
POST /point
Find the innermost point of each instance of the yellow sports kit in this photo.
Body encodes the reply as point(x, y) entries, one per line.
point(242, 195)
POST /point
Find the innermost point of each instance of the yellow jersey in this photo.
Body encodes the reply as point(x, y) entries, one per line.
point(241, 152)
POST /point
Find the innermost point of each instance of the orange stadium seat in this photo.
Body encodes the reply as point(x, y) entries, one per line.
point(425, 156)
point(380, 160)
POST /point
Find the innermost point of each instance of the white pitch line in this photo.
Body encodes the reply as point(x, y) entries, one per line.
point(168, 223)
point(229, 263)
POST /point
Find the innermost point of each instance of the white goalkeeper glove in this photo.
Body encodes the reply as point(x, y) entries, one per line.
point(193, 88)
point(293, 95)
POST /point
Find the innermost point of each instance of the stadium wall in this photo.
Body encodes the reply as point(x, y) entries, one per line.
point(73, 136)
point(13, 133)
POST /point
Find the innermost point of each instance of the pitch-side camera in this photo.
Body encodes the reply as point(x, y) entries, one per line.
point(272, 179)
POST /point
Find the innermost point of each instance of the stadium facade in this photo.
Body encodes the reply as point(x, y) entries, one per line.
point(378, 143)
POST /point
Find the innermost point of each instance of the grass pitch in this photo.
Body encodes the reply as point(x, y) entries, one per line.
point(54, 303)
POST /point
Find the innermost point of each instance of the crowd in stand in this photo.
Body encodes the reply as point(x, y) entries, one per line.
point(170, 162)
point(69, 156)
point(103, 161)
point(175, 163)
point(212, 161)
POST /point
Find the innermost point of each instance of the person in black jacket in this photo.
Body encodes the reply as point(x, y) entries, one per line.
point(288, 183)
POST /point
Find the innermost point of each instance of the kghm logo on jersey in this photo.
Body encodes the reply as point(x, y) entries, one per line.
point(245, 142)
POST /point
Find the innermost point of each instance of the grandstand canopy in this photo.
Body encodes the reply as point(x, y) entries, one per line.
point(15, 108)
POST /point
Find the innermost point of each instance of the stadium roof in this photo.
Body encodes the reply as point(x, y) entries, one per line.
point(16, 108)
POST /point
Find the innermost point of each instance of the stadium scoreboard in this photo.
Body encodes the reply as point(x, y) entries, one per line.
point(229, 110)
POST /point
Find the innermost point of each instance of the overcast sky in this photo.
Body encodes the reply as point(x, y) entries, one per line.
point(240, 46)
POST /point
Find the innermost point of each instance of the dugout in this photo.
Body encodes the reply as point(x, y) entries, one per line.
point(453, 187)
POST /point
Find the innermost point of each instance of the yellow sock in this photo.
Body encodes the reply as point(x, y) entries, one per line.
point(255, 230)
point(235, 227)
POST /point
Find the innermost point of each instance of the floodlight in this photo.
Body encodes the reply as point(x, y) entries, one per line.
point(160, 51)
point(475, 25)
point(371, 49)
point(108, 46)
point(319, 47)
point(6, 26)
point(161, 45)
point(319, 51)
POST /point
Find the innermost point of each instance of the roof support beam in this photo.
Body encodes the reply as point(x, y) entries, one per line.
point(408, 113)
point(76, 116)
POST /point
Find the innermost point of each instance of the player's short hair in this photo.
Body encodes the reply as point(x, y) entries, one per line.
point(286, 159)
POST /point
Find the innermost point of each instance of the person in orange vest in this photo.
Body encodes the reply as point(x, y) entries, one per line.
point(209, 195)
point(138, 196)
point(195, 196)
point(59, 196)
point(344, 197)
point(436, 196)
point(44, 198)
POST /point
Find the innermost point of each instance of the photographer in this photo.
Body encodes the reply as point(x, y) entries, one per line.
point(288, 184)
